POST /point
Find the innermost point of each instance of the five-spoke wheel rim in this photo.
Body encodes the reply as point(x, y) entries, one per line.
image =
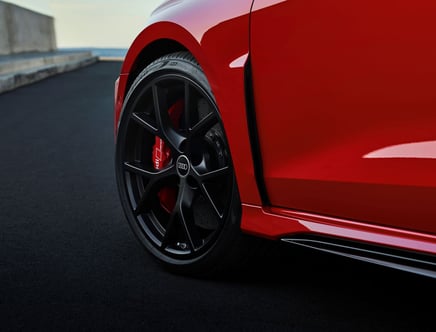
point(176, 172)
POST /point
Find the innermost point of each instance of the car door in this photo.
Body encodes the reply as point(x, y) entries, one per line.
point(345, 102)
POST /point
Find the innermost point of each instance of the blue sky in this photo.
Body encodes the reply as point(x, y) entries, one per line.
point(94, 23)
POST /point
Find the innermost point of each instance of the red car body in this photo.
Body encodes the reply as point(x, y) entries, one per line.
point(329, 110)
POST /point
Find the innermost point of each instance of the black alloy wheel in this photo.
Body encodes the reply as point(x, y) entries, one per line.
point(174, 170)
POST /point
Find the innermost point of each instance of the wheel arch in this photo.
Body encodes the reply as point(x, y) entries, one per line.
point(222, 54)
point(154, 41)
point(152, 52)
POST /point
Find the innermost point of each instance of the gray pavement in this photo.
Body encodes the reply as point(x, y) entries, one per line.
point(25, 68)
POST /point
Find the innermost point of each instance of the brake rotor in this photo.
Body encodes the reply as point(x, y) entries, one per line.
point(204, 216)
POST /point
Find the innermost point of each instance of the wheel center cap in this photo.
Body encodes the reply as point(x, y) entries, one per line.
point(183, 166)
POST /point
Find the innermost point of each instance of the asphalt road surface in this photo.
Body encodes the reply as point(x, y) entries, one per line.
point(69, 262)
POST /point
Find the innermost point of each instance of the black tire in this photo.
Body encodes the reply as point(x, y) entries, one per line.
point(186, 210)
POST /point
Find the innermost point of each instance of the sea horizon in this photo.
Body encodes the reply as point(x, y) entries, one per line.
point(115, 53)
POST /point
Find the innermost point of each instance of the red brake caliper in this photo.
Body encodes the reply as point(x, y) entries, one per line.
point(162, 156)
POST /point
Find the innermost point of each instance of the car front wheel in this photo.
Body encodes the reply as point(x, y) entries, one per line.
point(174, 170)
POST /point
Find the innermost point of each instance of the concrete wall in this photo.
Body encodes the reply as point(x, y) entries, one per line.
point(22, 30)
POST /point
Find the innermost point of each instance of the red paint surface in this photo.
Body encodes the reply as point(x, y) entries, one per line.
point(345, 96)
point(335, 82)
point(276, 223)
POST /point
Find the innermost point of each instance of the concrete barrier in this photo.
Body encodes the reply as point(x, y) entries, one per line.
point(23, 30)
point(23, 69)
